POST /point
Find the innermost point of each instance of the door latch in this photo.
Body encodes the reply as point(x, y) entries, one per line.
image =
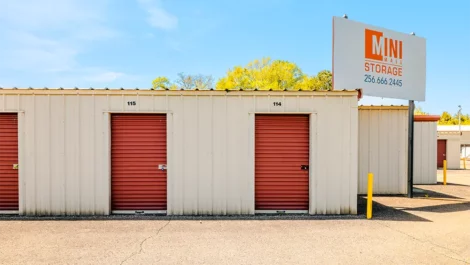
point(304, 167)
point(162, 167)
point(15, 166)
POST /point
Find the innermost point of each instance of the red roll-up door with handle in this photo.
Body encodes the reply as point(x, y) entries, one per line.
point(8, 162)
point(138, 166)
point(281, 162)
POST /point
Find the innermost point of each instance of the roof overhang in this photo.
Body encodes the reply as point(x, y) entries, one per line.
point(162, 92)
point(426, 118)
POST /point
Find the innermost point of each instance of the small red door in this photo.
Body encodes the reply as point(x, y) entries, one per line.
point(281, 162)
point(8, 162)
point(138, 149)
point(441, 152)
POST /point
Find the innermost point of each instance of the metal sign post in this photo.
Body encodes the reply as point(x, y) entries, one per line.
point(411, 110)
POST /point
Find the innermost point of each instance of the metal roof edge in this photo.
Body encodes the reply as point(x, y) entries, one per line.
point(426, 118)
point(382, 107)
point(105, 91)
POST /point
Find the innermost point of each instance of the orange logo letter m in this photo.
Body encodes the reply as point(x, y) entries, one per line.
point(374, 45)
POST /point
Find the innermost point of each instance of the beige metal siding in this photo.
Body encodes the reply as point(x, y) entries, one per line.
point(453, 148)
point(453, 153)
point(425, 153)
point(383, 133)
point(65, 150)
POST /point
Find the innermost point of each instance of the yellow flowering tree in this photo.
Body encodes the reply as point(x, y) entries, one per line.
point(266, 74)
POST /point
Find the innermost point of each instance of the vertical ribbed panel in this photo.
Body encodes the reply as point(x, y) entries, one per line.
point(66, 158)
point(8, 157)
point(441, 152)
point(138, 146)
point(425, 153)
point(383, 149)
point(281, 148)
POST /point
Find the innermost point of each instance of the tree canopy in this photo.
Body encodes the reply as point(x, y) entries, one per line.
point(448, 119)
point(184, 81)
point(420, 111)
point(264, 74)
point(267, 74)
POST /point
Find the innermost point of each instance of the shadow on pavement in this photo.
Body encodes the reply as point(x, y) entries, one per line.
point(424, 193)
point(444, 208)
point(453, 184)
point(380, 212)
point(387, 213)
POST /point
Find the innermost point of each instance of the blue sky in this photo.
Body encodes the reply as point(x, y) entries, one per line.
point(126, 43)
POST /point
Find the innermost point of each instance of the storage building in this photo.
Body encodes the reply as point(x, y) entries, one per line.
point(383, 149)
point(98, 152)
point(425, 149)
point(453, 145)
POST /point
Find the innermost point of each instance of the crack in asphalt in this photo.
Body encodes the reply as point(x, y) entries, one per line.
point(431, 243)
point(143, 241)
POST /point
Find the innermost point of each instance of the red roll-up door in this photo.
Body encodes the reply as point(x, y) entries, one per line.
point(441, 152)
point(138, 147)
point(281, 162)
point(8, 160)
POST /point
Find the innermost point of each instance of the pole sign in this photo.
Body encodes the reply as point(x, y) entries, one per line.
point(382, 62)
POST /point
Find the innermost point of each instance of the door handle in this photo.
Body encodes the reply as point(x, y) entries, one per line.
point(304, 167)
point(15, 166)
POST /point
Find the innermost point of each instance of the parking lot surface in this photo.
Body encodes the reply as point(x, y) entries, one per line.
point(432, 228)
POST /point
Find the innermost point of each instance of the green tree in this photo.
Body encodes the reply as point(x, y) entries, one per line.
point(465, 119)
point(189, 82)
point(266, 74)
point(326, 79)
point(161, 82)
point(446, 119)
point(419, 111)
point(184, 81)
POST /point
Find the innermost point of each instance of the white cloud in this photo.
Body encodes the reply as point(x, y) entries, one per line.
point(28, 52)
point(35, 14)
point(158, 17)
point(47, 37)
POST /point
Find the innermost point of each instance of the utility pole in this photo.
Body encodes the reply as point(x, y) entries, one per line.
point(411, 126)
point(411, 121)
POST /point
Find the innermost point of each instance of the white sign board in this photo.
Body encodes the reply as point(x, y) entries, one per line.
point(383, 63)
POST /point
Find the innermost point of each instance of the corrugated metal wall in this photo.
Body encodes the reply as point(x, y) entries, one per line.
point(453, 153)
point(425, 153)
point(65, 149)
point(453, 148)
point(383, 133)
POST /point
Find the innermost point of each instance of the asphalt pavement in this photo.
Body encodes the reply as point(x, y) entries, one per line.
point(432, 228)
